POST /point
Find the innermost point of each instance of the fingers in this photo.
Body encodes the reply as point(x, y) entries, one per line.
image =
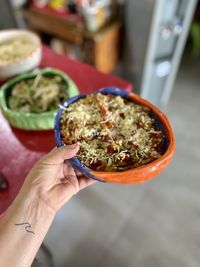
point(58, 155)
point(68, 171)
point(76, 178)
point(85, 182)
point(78, 173)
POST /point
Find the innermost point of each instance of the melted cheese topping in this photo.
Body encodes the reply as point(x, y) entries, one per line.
point(115, 134)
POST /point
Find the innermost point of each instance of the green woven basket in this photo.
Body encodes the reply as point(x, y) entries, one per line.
point(33, 121)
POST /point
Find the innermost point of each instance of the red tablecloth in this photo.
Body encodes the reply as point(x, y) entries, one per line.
point(19, 149)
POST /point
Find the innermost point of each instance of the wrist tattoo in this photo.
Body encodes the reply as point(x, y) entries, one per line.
point(27, 227)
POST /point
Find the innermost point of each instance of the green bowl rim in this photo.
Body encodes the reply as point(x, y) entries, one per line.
point(32, 74)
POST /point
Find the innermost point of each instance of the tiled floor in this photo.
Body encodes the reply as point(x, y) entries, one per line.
point(156, 224)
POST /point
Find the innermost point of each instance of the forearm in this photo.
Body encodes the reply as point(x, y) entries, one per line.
point(23, 229)
point(48, 186)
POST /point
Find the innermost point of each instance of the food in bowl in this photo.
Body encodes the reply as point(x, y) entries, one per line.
point(20, 51)
point(39, 94)
point(15, 50)
point(115, 133)
point(30, 100)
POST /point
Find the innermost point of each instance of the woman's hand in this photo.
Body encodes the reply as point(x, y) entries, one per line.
point(54, 180)
point(47, 187)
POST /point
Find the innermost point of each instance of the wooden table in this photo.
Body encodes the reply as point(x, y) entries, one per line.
point(19, 149)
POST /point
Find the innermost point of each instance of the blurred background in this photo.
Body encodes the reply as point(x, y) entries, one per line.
point(155, 45)
point(142, 41)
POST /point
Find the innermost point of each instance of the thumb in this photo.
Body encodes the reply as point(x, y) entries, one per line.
point(59, 154)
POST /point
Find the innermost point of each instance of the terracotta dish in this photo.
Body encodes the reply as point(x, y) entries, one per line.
point(137, 174)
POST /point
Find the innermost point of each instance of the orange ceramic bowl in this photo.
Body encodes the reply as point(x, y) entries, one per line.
point(138, 174)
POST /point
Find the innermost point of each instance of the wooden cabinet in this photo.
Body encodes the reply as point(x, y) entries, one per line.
point(100, 48)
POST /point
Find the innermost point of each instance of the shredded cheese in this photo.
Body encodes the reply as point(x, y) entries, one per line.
point(115, 134)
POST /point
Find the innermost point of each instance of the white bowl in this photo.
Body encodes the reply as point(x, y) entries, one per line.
point(26, 63)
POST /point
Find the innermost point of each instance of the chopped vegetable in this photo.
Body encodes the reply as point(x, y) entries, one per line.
point(37, 95)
